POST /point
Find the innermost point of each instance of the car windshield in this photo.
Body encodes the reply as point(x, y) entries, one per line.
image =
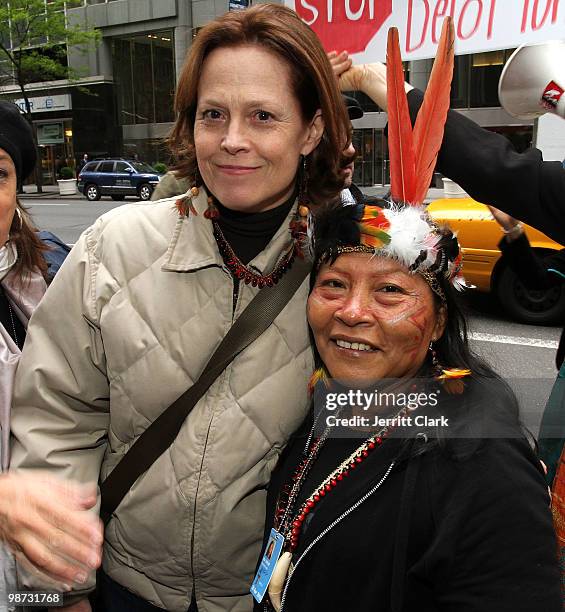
point(143, 167)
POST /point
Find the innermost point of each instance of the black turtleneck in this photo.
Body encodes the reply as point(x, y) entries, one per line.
point(249, 233)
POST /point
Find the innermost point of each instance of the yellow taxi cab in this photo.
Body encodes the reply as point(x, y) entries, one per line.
point(484, 266)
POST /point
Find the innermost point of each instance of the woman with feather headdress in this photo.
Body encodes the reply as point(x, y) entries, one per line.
point(431, 503)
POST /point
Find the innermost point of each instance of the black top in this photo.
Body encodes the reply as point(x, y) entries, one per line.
point(249, 233)
point(536, 272)
point(490, 170)
point(10, 321)
point(480, 536)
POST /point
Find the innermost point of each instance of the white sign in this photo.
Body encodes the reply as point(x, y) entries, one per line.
point(360, 26)
point(50, 133)
point(43, 104)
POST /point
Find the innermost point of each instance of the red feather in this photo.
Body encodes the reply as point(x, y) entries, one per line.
point(400, 139)
point(430, 123)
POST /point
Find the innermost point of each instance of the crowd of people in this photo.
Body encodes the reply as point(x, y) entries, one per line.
point(176, 357)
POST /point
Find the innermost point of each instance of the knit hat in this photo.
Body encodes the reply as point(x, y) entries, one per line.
point(16, 138)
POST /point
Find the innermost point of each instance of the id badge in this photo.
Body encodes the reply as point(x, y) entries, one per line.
point(267, 566)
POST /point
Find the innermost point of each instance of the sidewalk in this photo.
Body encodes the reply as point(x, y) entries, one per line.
point(49, 191)
point(52, 191)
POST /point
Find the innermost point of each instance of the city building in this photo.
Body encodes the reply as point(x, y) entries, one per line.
point(122, 103)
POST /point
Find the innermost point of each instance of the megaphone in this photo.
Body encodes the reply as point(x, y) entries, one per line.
point(533, 81)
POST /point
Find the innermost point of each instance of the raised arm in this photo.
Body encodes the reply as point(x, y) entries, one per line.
point(484, 163)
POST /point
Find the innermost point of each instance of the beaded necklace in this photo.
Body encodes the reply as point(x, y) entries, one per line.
point(12, 320)
point(13, 326)
point(290, 526)
point(243, 272)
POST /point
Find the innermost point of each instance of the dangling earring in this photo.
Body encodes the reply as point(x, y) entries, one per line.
point(436, 367)
point(318, 376)
point(184, 203)
point(18, 214)
point(303, 177)
point(212, 211)
point(197, 179)
point(451, 379)
point(299, 223)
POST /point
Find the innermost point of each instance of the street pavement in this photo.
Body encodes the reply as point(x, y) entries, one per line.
point(522, 354)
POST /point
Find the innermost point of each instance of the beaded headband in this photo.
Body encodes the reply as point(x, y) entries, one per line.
point(397, 231)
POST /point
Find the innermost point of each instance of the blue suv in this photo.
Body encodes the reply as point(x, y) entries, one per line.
point(117, 178)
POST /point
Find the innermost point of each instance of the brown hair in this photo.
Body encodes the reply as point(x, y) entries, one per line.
point(280, 30)
point(29, 246)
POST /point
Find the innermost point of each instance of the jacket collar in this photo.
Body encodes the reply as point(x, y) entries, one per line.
point(193, 246)
point(24, 298)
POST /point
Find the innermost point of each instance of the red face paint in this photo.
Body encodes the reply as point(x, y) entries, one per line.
point(365, 302)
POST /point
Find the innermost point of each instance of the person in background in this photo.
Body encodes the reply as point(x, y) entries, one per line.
point(149, 292)
point(539, 273)
point(534, 271)
point(32, 506)
point(169, 186)
point(484, 163)
point(82, 163)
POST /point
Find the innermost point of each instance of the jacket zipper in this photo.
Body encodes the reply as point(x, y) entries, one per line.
point(235, 296)
point(330, 527)
point(192, 536)
point(194, 510)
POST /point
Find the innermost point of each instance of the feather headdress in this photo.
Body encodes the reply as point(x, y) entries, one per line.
point(400, 227)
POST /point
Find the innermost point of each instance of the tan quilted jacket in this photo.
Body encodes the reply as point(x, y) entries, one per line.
point(127, 325)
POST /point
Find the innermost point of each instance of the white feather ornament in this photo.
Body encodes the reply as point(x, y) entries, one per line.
point(409, 233)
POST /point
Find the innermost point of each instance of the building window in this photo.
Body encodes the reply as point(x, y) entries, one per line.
point(460, 82)
point(475, 79)
point(145, 77)
point(486, 69)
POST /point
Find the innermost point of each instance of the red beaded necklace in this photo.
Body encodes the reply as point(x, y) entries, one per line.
point(291, 527)
point(242, 272)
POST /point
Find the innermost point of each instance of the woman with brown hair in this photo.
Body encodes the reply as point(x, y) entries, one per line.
point(150, 292)
point(28, 516)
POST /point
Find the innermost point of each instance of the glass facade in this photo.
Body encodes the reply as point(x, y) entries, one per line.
point(150, 150)
point(475, 79)
point(371, 161)
point(144, 73)
point(474, 85)
point(55, 147)
point(94, 121)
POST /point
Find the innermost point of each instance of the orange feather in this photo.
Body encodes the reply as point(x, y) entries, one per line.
point(400, 139)
point(430, 123)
